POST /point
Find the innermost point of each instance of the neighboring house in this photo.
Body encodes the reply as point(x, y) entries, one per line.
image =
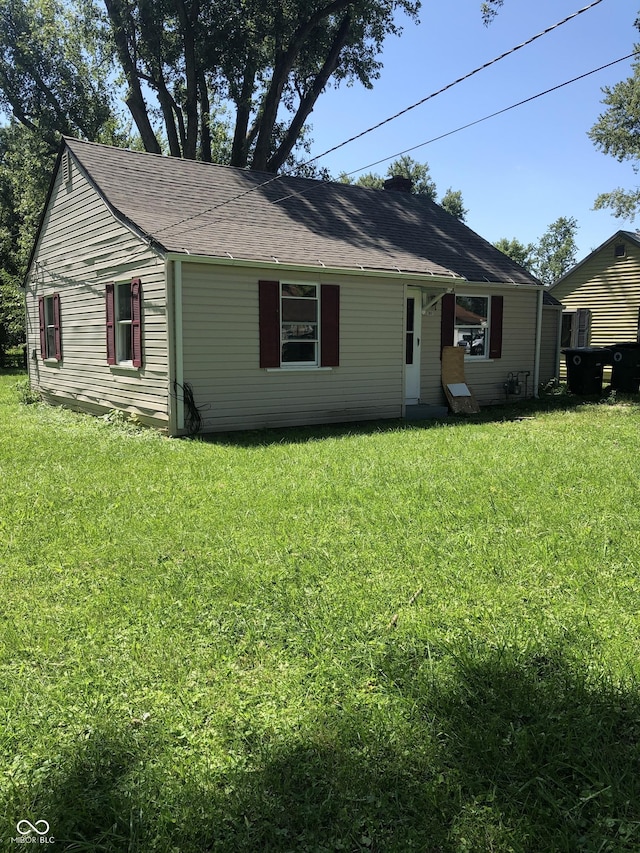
point(601, 295)
point(173, 289)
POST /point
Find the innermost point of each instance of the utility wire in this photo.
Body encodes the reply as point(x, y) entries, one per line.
point(319, 184)
point(454, 83)
point(492, 115)
point(384, 121)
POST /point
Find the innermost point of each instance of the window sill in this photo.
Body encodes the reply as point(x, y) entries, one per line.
point(298, 369)
point(52, 362)
point(126, 369)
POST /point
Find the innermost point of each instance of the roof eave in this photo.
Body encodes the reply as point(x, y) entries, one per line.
point(628, 235)
point(396, 274)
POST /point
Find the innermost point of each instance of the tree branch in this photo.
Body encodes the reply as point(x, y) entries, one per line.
point(307, 103)
point(135, 99)
point(282, 68)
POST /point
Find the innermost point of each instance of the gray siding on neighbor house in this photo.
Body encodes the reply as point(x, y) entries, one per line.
point(221, 352)
point(82, 247)
point(486, 378)
point(610, 288)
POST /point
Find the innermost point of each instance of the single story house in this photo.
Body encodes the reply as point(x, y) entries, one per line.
point(191, 294)
point(601, 295)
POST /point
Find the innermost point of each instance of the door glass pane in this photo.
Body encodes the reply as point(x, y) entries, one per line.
point(411, 310)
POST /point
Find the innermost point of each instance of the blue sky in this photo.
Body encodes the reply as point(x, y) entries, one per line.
point(520, 171)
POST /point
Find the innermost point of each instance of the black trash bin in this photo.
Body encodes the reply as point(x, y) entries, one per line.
point(625, 370)
point(584, 369)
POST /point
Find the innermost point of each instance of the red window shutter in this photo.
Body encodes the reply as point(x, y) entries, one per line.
point(329, 325)
point(111, 322)
point(447, 320)
point(43, 328)
point(136, 322)
point(495, 331)
point(269, 319)
point(56, 326)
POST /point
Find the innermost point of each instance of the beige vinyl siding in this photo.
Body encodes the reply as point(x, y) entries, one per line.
point(610, 288)
point(221, 353)
point(486, 377)
point(81, 248)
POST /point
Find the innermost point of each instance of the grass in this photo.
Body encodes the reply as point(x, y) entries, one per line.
point(377, 638)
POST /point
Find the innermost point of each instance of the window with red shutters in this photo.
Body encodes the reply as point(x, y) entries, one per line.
point(124, 322)
point(473, 322)
point(299, 324)
point(50, 327)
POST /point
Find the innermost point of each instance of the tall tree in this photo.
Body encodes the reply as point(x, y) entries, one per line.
point(556, 251)
point(271, 60)
point(421, 184)
point(519, 252)
point(453, 204)
point(53, 79)
point(26, 161)
point(418, 173)
point(617, 132)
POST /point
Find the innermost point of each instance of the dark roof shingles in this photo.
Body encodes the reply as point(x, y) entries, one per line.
point(204, 209)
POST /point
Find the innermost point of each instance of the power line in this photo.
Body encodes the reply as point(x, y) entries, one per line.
point(493, 115)
point(319, 184)
point(454, 83)
point(384, 121)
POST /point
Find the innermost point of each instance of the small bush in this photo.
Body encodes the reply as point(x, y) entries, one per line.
point(26, 394)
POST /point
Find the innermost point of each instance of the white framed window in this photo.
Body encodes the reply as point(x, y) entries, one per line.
point(299, 324)
point(123, 323)
point(576, 328)
point(472, 324)
point(50, 334)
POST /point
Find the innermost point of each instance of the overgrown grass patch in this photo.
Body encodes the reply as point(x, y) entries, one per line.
point(381, 638)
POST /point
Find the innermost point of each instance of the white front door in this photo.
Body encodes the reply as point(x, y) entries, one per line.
point(413, 332)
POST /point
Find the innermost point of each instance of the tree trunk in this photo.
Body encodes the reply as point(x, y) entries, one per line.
point(240, 149)
point(282, 68)
point(134, 100)
point(307, 103)
point(205, 119)
point(191, 73)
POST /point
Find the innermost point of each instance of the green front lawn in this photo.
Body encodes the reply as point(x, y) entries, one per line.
point(400, 638)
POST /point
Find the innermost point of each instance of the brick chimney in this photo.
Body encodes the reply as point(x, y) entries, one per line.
point(398, 184)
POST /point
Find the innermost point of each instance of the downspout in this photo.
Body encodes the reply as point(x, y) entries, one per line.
point(536, 363)
point(177, 317)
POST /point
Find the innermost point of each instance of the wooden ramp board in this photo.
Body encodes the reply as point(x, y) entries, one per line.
point(459, 395)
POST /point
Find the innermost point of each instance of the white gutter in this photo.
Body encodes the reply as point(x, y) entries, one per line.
point(421, 279)
point(536, 363)
point(320, 269)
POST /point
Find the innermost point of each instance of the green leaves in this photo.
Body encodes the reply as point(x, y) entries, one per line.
point(617, 133)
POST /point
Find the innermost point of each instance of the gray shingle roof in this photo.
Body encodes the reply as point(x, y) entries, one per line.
point(219, 211)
